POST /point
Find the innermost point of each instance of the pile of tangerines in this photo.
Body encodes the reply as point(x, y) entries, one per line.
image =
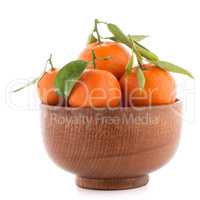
point(105, 74)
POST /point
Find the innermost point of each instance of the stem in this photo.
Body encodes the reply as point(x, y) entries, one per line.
point(93, 59)
point(138, 55)
point(50, 62)
point(27, 85)
point(96, 21)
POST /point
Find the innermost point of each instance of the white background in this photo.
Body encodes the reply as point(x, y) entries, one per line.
point(30, 30)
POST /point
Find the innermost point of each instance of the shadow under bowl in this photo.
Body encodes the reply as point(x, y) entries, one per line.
point(111, 149)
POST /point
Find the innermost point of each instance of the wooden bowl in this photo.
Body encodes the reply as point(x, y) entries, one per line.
point(111, 149)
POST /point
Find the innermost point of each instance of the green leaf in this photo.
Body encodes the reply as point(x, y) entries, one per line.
point(119, 36)
point(118, 33)
point(146, 53)
point(172, 68)
point(142, 50)
point(130, 64)
point(137, 53)
point(27, 84)
point(91, 39)
point(140, 77)
point(139, 45)
point(110, 38)
point(68, 75)
point(138, 38)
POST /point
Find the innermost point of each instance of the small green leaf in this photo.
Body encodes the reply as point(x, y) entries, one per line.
point(27, 84)
point(91, 39)
point(118, 33)
point(139, 72)
point(110, 38)
point(140, 77)
point(138, 38)
point(130, 64)
point(146, 53)
point(172, 68)
point(139, 45)
point(119, 36)
point(68, 75)
point(137, 53)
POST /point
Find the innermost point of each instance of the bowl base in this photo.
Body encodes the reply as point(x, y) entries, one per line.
point(112, 184)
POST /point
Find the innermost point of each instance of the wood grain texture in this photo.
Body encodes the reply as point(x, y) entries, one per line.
point(119, 144)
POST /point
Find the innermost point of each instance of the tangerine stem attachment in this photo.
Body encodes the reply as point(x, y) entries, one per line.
point(50, 62)
point(96, 21)
point(93, 59)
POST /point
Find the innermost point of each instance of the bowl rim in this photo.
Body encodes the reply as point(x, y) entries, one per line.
point(51, 107)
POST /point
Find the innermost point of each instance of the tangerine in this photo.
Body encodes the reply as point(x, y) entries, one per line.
point(110, 56)
point(46, 90)
point(96, 88)
point(160, 87)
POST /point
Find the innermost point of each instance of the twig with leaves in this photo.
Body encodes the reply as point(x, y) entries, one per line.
point(35, 80)
point(120, 36)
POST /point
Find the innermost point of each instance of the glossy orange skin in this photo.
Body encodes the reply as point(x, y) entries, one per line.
point(96, 88)
point(160, 87)
point(46, 88)
point(119, 57)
